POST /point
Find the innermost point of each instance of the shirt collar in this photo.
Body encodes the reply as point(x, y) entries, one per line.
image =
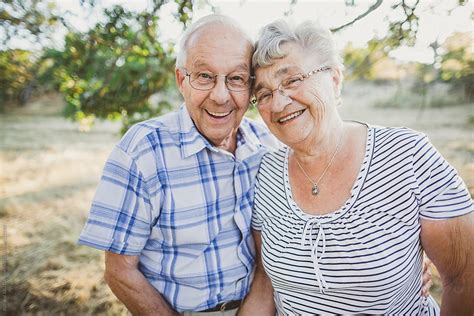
point(247, 141)
point(193, 142)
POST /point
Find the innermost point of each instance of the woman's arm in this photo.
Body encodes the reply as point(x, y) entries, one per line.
point(259, 301)
point(450, 245)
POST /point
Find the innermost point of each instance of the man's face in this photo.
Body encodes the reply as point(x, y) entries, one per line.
point(219, 50)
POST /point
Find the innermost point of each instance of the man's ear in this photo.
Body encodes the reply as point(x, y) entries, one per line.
point(180, 76)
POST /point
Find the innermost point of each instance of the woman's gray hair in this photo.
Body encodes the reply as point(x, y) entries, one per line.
point(205, 21)
point(309, 35)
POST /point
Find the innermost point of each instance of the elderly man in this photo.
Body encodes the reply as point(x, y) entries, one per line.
point(173, 207)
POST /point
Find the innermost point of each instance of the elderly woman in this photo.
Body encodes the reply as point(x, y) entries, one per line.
point(343, 212)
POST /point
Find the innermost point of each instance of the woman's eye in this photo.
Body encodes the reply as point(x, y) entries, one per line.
point(262, 98)
point(292, 81)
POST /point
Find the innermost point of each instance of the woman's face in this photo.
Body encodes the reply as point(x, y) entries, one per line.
point(304, 115)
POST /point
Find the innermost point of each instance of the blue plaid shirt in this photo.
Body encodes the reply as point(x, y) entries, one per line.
point(182, 205)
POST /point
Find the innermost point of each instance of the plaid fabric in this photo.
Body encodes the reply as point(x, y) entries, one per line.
point(182, 205)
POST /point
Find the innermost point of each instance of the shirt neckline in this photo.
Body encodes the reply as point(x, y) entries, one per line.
point(193, 142)
point(355, 190)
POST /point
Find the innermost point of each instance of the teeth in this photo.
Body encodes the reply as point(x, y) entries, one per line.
point(291, 116)
point(219, 114)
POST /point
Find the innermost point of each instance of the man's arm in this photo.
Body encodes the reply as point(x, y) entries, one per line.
point(132, 288)
point(259, 301)
point(450, 245)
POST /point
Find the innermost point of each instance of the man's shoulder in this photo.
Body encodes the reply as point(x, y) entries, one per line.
point(258, 130)
point(151, 133)
point(254, 126)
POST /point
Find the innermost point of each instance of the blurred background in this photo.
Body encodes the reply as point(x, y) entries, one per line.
point(75, 74)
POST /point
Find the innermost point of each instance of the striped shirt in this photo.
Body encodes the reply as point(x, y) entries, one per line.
point(183, 206)
point(366, 257)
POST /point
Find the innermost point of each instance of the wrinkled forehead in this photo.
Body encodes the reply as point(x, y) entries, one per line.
point(217, 42)
point(295, 61)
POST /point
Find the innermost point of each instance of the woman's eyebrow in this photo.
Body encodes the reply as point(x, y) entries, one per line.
point(286, 70)
point(279, 73)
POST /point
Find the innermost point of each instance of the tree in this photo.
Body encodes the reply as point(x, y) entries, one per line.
point(15, 68)
point(30, 21)
point(112, 69)
point(457, 63)
point(115, 67)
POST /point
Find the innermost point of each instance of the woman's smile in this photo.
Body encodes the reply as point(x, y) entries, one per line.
point(290, 117)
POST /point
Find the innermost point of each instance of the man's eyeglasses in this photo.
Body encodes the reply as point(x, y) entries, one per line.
point(205, 80)
point(286, 87)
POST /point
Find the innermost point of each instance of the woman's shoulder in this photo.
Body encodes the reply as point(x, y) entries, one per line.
point(384, 135)
point(276, 155)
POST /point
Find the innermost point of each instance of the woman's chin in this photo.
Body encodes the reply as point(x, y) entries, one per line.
point(293, 137)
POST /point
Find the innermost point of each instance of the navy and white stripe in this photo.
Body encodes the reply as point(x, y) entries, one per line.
point(182, 205)
point(367, 256)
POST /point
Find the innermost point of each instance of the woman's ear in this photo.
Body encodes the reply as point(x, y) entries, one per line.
point(337, 80)
point(336, 74)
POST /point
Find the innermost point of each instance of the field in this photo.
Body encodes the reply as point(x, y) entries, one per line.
point(49, 171)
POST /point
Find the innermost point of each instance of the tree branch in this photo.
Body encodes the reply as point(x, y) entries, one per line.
point(370, 9)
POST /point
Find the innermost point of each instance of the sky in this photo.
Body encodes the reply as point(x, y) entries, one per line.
point(435, 22)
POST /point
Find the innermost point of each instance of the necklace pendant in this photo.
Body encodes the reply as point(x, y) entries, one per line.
point(314, 190)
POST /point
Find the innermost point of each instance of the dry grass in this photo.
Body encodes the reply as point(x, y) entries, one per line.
point(49, 174)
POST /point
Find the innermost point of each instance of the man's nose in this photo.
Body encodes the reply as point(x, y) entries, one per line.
point(220, 94)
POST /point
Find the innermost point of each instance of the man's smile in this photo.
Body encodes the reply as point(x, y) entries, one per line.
point(218, 114)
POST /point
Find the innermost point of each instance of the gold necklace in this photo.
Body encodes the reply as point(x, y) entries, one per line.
point(315, 189)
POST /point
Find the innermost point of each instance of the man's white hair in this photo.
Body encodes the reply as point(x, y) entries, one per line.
point(212, 19)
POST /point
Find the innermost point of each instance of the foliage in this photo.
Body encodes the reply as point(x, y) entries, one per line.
point(23, 20)
point(360, 62)
point(30, 20)
point(112, 69)
point(115, 67)
point(457, 64)
point(403, 31)
point(15, 68)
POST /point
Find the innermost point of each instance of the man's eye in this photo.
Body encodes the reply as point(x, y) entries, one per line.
point(204, 76)
point(236, 78)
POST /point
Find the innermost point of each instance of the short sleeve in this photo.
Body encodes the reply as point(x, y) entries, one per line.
point(120, 217)
point(442, 193)
point(257, 220)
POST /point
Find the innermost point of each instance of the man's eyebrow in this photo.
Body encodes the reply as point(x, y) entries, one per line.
point(241, 67)
point(199, 63)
